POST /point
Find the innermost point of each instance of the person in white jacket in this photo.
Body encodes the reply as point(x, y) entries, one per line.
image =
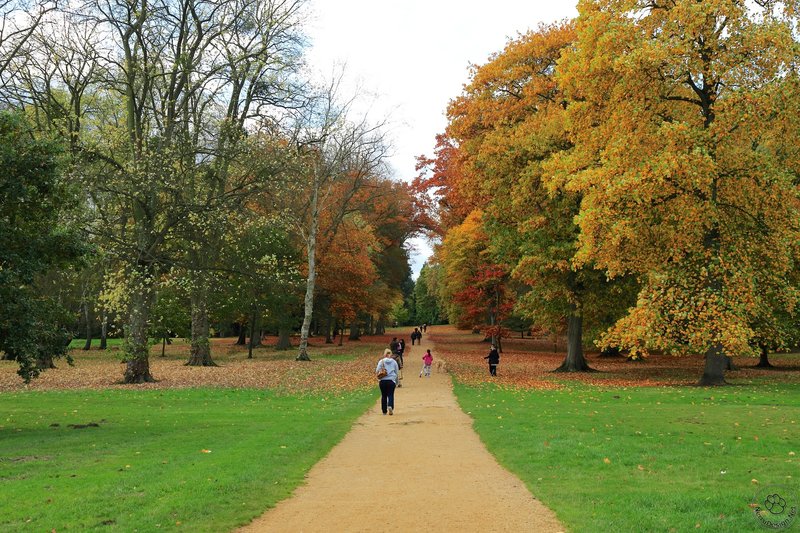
point(387, 383)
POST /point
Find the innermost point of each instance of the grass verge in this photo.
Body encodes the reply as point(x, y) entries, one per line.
point(645, 459)
point(194, 459)
point(77, 344)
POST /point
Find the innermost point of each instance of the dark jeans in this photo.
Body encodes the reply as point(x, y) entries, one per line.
point(492, 369)
point(387, 394)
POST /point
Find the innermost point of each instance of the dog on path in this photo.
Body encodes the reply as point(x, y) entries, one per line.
point(440, 365)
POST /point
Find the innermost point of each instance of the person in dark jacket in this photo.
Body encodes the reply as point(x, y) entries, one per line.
point(494, 360)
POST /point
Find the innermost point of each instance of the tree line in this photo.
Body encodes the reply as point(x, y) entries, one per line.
point(169, 165)
point(629, 177)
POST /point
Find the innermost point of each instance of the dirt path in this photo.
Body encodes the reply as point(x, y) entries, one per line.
point(422, 469)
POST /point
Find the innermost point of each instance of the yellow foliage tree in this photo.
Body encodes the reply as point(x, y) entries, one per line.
point(684, 116)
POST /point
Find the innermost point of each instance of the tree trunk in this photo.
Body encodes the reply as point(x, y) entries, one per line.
point(380, 326)
point(328, 339)
point(164, 347)
point(242, 340)
point(284, 341)
point(87, 318)
point(575, 361)
point(763, 361)
point(311, 250)
point(251, 344)
point(716, 363)
point(200, 351)
point(341, 334)
point(44, 362)
point(104, 329)
point(137, 350)
point(355, 334)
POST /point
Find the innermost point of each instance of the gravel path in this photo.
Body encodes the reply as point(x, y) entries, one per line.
point(424, 468)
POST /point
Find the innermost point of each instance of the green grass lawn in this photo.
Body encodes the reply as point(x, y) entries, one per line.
point(77, 344)
point(645, 459)
point(194, 459)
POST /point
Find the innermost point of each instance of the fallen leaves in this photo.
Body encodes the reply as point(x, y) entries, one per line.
point(524, 364)
point(529, 363)
point(332, 368)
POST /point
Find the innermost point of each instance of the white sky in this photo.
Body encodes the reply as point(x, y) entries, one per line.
point(412, 56)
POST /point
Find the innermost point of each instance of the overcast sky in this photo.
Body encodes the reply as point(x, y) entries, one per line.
point(412, 57)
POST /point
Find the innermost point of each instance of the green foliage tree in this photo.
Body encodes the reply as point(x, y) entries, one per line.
point(34, 237)
point(427, 309)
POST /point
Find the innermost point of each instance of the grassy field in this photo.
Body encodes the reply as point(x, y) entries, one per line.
point(152, 460)
point(634, 447)
point(644, 459)
point(77, 344)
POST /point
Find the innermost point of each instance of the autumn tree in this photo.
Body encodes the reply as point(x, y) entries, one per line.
point(335, 154)
point(684, 120)
point(508, 121)
point(475, 286)
point(389, 207)
point(346, 269)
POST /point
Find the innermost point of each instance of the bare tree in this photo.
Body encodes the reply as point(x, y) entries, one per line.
point(334, 153)
point(19, 19)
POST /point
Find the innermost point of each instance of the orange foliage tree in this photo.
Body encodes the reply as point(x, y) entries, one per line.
point(506, 123)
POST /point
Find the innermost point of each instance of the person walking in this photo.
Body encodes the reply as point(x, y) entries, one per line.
point(494, 360)
point(427, 360)
point(401, 349)
point(388, 382)
point(415, 335)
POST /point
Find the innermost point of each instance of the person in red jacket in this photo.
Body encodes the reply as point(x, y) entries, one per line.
point(427, 360)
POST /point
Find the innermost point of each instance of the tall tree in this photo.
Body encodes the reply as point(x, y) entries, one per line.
point(684, 117)
point(506, 124)
point(34, 237)
point(426, 308)
point(335, 155)
point(192, 76)
point(19, 20)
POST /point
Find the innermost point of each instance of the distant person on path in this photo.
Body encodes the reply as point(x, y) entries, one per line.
point(427, 360)
point(424, 328)
point(388, 383)
point(494, 360)
point(416, 336)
